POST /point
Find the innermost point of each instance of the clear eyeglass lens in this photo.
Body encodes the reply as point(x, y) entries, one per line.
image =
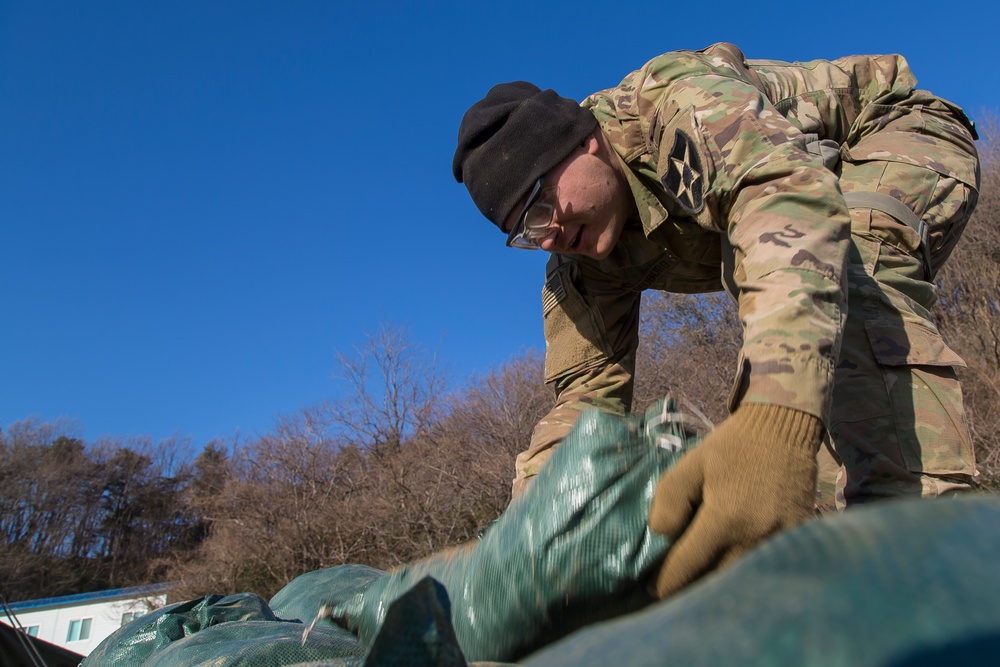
point(537, 220)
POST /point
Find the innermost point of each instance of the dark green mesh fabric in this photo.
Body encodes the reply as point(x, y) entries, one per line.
point(225, 630)
point(571, 550)
point(301, 599)
point(898, 584)
point(242, 630)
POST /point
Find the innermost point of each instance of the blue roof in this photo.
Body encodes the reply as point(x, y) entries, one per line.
point(134, 591)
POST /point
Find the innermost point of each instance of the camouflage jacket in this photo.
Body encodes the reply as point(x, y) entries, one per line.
point(715, 150)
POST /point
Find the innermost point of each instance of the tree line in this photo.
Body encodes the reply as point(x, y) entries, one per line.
point(400, 467)
point(77, 516)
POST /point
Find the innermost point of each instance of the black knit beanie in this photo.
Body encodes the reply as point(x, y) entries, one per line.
point(510, 138)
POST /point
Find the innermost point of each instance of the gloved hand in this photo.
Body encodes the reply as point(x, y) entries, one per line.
point(749, 478)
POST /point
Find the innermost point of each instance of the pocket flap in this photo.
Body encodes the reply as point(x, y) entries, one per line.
point(909, 344)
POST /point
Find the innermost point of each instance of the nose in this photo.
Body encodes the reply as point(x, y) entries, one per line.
point(548, 242)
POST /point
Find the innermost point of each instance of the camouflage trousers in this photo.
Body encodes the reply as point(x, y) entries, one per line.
point(898, 425)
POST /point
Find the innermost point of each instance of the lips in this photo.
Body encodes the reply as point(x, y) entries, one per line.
point(574, 244)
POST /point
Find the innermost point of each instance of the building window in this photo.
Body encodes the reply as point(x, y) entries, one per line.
point(79, 630)
point(130, 616)
point(31, 630)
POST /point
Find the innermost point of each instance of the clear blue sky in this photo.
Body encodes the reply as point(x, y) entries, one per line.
point(201, 203)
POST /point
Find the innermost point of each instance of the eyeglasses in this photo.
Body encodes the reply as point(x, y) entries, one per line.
point(535, 218)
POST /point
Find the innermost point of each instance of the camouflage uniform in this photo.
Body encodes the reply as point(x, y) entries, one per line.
point(738, 167)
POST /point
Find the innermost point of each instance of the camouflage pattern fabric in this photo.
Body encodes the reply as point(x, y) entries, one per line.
point(899, 426)
point(717, 155)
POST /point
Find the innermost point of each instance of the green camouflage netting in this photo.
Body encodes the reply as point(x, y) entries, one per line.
point(224, 630)
point(899, 584)
point(573, 549)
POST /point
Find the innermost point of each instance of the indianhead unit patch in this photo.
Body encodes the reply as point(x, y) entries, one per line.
point(683, 175)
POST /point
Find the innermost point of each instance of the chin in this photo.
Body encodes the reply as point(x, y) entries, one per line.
point(607, 241)
point(604, 245)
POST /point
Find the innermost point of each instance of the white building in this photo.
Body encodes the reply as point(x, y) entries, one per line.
point(81, 622)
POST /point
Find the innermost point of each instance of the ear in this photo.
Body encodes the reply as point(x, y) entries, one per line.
point(591, 144)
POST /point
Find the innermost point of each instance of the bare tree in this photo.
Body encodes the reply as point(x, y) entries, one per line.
point(688, 347)
point(76, 516)
point(393, 391)
point(303, 497)
point(490, 421)
point(443, 487)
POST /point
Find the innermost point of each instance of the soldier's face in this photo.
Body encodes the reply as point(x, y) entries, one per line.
point(590, 208)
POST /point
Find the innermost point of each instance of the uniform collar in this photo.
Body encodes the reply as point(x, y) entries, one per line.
point(652, 214)
point(624, 132)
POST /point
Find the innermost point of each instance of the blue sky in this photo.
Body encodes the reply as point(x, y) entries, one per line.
point(202, 203)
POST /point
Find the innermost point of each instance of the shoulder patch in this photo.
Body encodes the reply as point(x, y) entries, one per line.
point(683, 177)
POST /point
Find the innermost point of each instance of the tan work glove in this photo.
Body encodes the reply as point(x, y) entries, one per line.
point(749, 478)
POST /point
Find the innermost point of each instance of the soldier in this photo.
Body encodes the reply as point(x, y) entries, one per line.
point(823, 196)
